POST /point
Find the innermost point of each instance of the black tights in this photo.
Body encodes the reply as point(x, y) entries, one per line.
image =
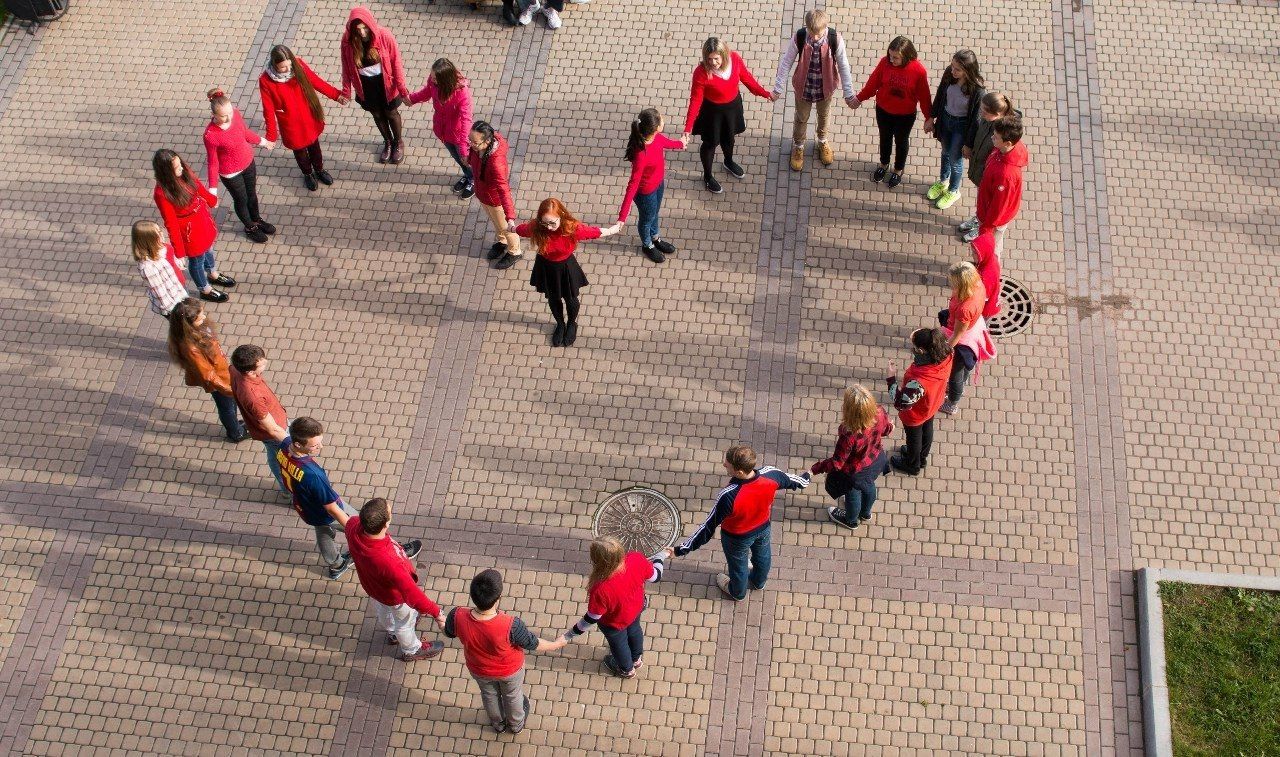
point(558, 307)
point(389, 124)
point(708, 153)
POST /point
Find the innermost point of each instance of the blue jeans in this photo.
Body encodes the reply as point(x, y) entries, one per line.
point(858, 502)
point(625, 644)
point(456, 152)
point(272, 445)
point(228, 414)
point(649, 205)
point(200, 267)
point(953, 130)
point(741, 551)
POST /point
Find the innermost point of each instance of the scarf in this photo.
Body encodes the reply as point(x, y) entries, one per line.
point(276, 76)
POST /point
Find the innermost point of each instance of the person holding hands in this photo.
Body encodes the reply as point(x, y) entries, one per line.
point(449, 93)
point(491, 174)
point(648, 180)
point(715, 106)
point(229, 143)
point(822, 65)
point(900, 84)
point(371, 67)
point(292, 111)
point(615, 600)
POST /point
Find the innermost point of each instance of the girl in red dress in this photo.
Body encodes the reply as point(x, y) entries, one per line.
point(184, 204)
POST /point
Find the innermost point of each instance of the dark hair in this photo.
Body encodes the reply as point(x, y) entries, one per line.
point(1009, 128)
point(281, 53)
point(931, 343)
point(741, 457)
point(246, 357)
point(305, 429)
point(490, 136)
point(998, 103)
point(184, 336)
point(177, 189)
point(486, 589)
point(643, 126)
point(972, 76)
point(364, 56)
point(447, 77)
point(374, 516)
point(905, 46)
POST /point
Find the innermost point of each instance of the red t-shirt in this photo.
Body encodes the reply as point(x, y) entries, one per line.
point(619, 598)
point(965, 312)
point(256, 399)
point(559, 245)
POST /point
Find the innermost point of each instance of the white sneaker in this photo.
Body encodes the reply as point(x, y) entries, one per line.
point(971, 223)
point(527, 16)
point(553, 18)
point(579, 2)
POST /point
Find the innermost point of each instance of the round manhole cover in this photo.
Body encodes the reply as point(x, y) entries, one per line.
point(641, 518)
point(1016, 309)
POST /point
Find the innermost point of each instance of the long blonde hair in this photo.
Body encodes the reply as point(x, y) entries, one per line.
point(607, 554)
point(858, 412)
point(964, 280)
point(147, 241)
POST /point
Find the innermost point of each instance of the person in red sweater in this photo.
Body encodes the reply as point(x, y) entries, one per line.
point(615, 600)
point(918, 397)
point(449, 93)
point(371, 65)
point(715, 106)
point(387, 575)
point(184, 205)
point(556, 273)
point(229, 144)
point(987, 261)
point(1000, 193)
point(493, 644)
point(487, 157)
point(648, 173)
point(859, 458)
point(900, 84)
point(292, 112)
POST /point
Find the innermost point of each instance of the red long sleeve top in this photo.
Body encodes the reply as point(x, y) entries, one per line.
point(648, 170)
point(899, 90)
point(708, 86)
point(385, 571)
point(230, 150)
point(560, 246)
point(191, 228)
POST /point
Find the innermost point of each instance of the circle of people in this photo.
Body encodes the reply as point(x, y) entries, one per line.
point(970, 123)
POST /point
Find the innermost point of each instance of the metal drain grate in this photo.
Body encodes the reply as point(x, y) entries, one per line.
point(641, 518)
point(1016, 309)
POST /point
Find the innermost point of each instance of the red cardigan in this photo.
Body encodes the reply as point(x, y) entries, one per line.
point(492, 177)
point(191, 228)
point(285, 110)
point(708, 86)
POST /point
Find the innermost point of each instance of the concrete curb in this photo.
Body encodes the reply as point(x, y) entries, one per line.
point(1156, 731)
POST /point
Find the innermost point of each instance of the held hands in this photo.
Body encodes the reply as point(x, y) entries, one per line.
point(511, 224)
point(611, 230)
point(773, 97)
point(928, 126)
point(668, 553)
point(343, 99)
point(852, 102)
point(684, 140)
point(268, 144)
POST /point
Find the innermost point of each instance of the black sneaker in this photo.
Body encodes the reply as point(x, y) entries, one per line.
point(265, 227)
point(895, 179)
point(557, 336)
point(310, 181)
point(342, 567)
point(570, 334)
point(226, 282)
point(411, 548)
point(902, 452)
point(666, 247)
point(653, 254)
point(325, 177)
point(256, 234)
point(468, 191)
point(213, 295)
point(841, 518)
point(878, 176)
point(734, 169)
point(900, 465)
point(239, 436)
point(506, 261)
point(393, 640)
point(425, 652)
point(496, 251)
point(611, 665)
point(713, 186)
point(459, 184)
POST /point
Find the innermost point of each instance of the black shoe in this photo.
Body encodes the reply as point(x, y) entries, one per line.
point(244, 434)
point(509, 16)
point(557, 336)
point(460, 184)
point(570, 334)
point(411, 548)
point(496, 251)
point(841, 518)
point(895, 179)
point(611, 665)
point(310, 181)
point(900, 465)
point(325, 177)
point(385, 155)
point(213, 295)
point(506, 261)
point(878, 176)
point(226, 282)
point(393, 640)
point(653, 254)
point(713, 186)
point(734, 169)
point(256, 234)
point(336, 572)
point(666, 247)
point(265, 227)
point(468, 191)
point(902, 452)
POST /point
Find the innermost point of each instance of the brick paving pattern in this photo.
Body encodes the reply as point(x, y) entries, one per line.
point(160, 597)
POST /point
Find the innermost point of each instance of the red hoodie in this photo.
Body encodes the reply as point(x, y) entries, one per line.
point(988, 265)
point(492, 176)
point(1000, 193)
point(385, 571)
point(285, 110)
point(388, 55)
point(932, 379)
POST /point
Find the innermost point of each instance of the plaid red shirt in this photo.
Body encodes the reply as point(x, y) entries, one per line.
point(855, 451)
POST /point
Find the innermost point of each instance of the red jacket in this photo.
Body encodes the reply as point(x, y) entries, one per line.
point(1000, 193)
point(385, 571)
point(898, 90)
point(388, 55)
point(191, 228)
point(285, 110)
point(492, 175)
point(931, 378)
point(988, 265)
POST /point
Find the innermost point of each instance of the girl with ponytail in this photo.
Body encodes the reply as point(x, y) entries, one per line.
point(229, 144)
point(292, 111)
point(648, 171)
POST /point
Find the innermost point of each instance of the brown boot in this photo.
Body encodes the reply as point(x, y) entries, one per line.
point(826, 154)
point(797, 158)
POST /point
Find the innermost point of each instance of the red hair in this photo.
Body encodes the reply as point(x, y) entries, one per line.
point(552, 206)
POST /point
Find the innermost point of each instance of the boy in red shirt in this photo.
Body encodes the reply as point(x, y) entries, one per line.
point(1000, 193)
point(494, 644)
point(389, 579)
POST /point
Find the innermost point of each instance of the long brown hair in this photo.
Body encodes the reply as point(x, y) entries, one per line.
point(184, 335)
point(607, 554)
point(858, 411)
point(568, 224)
point(177, 189)
point(357, 44)
point(905, 46)
point(281, 53)
point(447, 77)
point(972, 75)
point(147, 242)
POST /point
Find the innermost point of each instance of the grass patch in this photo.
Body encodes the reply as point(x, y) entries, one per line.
point(1222, 651)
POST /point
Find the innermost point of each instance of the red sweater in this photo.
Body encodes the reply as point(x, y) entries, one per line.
point(230, 150)
point(285, 110)
point(393, 82)
point(486, 644)
point(708, 86)
point(491, 177)
point(1000, 193)
point(560, 246)
point(988, 265)
point(619, 599)
point(898, 90)
point(648, 170)
point(191, 228)
point(385, 571)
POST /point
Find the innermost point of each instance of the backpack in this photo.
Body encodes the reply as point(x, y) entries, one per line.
point(803, 33)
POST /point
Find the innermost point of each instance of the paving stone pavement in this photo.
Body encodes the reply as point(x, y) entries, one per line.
point(160, 598)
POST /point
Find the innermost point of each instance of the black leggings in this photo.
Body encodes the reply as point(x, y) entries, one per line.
point(310, 158)
point(243, 188)
point(389, 125)
point(559, 305)
point(919, 443)
point(894, 131)
point(708, 152)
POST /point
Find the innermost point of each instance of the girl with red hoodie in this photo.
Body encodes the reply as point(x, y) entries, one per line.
point(918, 397)
point(987, 262)
point(648, 180)
point(184, 205)
point(229, 144)
point(371, 65)
point(715, 106)
point(292, 111)
point(450, 97)
point(487, 157)
point(899, 83)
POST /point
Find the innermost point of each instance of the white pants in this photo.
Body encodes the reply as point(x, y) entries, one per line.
point(999, 235)
point(401, 620)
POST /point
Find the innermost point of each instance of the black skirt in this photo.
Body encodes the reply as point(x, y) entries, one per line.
point(375, 94)
point(719, 123)
point(562, 279)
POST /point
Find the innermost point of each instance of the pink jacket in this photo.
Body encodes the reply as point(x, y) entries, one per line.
point(452, 119)
point(388, 52)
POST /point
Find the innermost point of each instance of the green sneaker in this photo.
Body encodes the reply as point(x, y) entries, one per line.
point(936, 190)
point(947, 200)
